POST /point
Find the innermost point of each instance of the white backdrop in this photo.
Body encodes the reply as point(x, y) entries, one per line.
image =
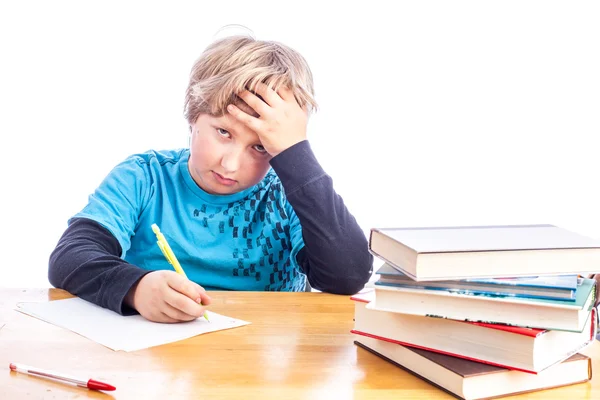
point(431, 113)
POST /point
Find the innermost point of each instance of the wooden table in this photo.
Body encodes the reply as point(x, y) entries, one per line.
point(297, 347)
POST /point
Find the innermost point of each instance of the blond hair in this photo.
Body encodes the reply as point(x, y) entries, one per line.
point(237, 63)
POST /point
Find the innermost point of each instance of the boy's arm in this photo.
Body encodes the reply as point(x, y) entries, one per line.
point(335, 257)
point(86, 263)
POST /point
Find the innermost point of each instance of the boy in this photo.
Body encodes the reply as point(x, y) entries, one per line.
point(246, 207)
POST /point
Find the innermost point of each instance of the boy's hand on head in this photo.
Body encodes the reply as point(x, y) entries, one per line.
point(281, 122)
point(166, 296)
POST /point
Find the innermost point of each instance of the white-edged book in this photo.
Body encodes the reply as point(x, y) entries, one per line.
point(438, 253)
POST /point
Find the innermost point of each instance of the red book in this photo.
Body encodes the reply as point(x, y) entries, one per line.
point(523, 349)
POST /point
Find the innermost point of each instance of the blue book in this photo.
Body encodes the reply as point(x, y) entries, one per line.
point(541, 313)
point(551, 287)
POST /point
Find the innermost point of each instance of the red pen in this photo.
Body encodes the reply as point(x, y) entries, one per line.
point(89, 383)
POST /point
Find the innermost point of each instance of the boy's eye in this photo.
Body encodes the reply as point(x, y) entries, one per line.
point(260, 148)
point(223, 132)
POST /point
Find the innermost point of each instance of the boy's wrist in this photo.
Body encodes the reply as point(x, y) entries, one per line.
point(128, 299)
point(285, 147)
point(297, 166)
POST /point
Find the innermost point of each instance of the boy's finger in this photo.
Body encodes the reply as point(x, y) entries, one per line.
point(270, 96)
point(204, 297)
point(184, 304)
point(165, 319)
point(286, 94)
point(188, 288)
point(183, 286)
point(181, 315)
point(251, 122)
point(261, 108)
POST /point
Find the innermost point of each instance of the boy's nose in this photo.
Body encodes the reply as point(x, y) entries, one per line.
point(231, 160)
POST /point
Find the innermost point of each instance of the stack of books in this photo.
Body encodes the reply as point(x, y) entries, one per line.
point(482, 311)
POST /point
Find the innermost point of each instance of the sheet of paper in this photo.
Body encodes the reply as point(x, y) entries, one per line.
point(117, 332)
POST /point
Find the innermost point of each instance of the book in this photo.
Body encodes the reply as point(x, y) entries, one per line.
point(444, 253)
point(557, 287)
point(471, 380)
point(528, 350)
point(526, 312)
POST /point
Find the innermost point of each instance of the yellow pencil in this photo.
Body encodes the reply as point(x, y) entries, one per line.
point(169, 255)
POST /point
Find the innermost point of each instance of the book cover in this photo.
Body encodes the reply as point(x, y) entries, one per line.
point(559, 282)
point(368, 297)
point(557, 287)
point(463, 367)
point(485, 238)
point(463, 356)
point(565, 282)
point(582, 297)
point(471, 380)
point(465, 252)
point(519, 311)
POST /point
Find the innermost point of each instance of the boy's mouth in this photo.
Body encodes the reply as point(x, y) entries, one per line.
point(222, 180)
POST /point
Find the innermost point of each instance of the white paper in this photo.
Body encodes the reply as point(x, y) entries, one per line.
point(118, 332)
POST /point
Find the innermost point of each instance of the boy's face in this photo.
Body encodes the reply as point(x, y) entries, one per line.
point(226, 156)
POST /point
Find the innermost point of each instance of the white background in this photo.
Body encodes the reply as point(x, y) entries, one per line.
point(431, 113)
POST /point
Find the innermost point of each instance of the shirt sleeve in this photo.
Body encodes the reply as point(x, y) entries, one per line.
point(335, 256)
point(117, 203)
point(296, 239)
point(86, 263)
point(88, 259)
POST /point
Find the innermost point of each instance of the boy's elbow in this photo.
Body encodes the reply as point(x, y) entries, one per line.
point(361, 273)
point(345, 286)
point(352, 286)
point(356, 283)
point(54, 272)
point(358, 274)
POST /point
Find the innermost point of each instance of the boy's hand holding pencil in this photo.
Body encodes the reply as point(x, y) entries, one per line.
point(168, 297)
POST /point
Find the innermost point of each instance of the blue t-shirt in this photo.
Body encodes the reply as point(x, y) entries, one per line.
point(244, 241)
